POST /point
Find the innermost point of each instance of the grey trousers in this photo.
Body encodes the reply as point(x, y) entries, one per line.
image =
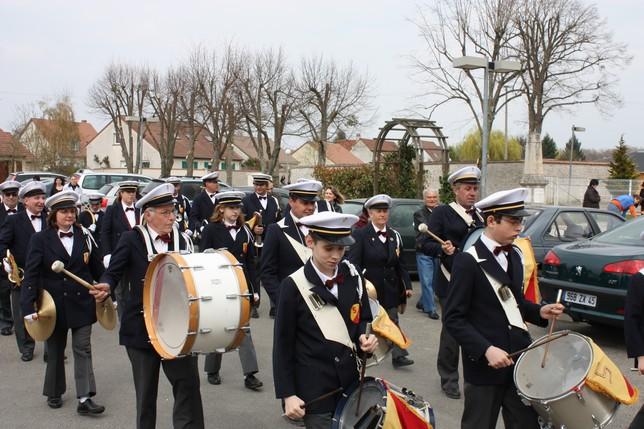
point(318, 421)
point(26, 344)
point(482, 405)
point(448, 356)
point(183, 375)
point(396, 352)
point(247, 357)
point(6, 319)
point(83, 371)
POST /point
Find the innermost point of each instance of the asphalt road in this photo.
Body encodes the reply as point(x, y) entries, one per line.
point(230, 405)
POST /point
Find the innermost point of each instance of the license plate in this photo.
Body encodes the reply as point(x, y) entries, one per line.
point(580, 298)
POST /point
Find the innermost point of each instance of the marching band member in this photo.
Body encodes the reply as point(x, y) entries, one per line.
point(65, 240)
point(451, 222)
point(120, 217)
point(9, 206)
point(377, 250)
point(285, 248)
point(485, 314)
point(91, 217)
point(227, 230)
point(634, 331)
point(15, 234)
point(204, 203)
point(309, 359)
point(127, 269)
point(182, 205)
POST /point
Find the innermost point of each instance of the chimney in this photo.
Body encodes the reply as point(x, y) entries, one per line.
point(83, 121)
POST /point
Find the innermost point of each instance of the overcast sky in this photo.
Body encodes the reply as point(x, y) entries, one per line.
point(55, 46)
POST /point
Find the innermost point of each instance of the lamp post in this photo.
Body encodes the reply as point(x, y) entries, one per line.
point(139, 139)
point(288, 166)
point(505, 135)
point(500, 66)
point(572, 148)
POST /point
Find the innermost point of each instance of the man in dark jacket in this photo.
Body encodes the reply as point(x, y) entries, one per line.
point(204, 203)
point(591, 197)
point(426, 263)
point(10, 206)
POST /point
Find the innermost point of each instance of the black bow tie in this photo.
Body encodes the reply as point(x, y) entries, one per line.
point(499, 249)
point(212, 196)
point(35, 217)
point(382, 233)
point(229, 227)
point(471, 211)
point(11, 210)
point(339, 279)
point(165, 238)
point(127, 209)
point(66, 234)
point(262, 198)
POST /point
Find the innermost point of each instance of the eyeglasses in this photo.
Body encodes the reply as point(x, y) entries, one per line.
point(10, 194)
point(165, 213)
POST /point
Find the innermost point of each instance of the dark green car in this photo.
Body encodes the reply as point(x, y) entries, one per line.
point(594, 274)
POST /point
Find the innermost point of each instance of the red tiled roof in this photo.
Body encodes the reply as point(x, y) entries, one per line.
point(336, 153)
point(245, 144)
point(11, 148)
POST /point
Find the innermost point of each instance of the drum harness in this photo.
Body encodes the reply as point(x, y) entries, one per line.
point(175, 237)
point(469, 221)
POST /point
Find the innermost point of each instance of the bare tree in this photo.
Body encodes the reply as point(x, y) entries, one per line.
point(122, 91)
point(455, 28)
point(568, 55)
point(331, 97)
point(267, 99)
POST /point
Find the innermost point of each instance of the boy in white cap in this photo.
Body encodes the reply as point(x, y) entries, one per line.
point(485, 314)
point(90, 217)
point(10, 206)
point(451, 222)
point(310, 358)
point(204, 203)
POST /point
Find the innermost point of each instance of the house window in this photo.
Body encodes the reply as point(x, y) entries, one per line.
point(222, 165)
point(184, 164)
point(207, 165)
point(75, 146)
point(117, 141)
point(145, 164)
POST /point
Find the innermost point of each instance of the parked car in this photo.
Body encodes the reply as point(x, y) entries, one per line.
point(594, 273)
point(190, 187)
point(110, 190)
point(21, 176)
point(401, 218)
point(93, 181)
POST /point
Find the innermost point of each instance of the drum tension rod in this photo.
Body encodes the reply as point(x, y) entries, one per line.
point(199, 298)
point(231, 265)
point(234, 328)
point(191, 267)
point(239, 295)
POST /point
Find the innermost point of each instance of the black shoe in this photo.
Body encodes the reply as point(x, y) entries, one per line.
point(254, 314)
point(452, 393)
point(433, 315)
point(419, 306)
point(402, 361)
point(89, 407)
point(6, 331)
point(54, 401)
point(251, 382)
point(214, 378)
point(271, 313)
point(27, 356)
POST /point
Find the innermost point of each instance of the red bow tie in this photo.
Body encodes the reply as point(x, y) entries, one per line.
point(66, 234)
point(499, 249)
point(165, 238)
point(382, 233)
point(339, 279)
point(11, 210)
point(471, 211)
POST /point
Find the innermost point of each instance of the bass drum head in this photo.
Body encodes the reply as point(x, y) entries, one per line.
point(567, 365)
point(471, 237)
point(373, 393)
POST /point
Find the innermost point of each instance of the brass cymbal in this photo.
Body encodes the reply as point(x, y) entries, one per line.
point(371, 289)
point(106, 314)
point(42, 328)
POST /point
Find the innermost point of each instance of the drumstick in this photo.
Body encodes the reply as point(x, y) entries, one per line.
point(59, 267)
point(321, 397)
point(367, 332)
point(540, 343)
point(552, 327)
point(423, 228)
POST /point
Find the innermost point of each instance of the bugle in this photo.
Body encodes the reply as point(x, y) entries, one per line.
point(17, 274)
point(252, 223)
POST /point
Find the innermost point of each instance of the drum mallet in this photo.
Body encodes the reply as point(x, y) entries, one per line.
point(367, 332)
point(321, 397)
point(556, 336)
point(59, 267)
point(423, 228)
point(552, 327)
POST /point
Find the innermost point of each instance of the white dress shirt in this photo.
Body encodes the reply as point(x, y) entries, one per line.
point(7, 208)
point(324, 278)
point(36, 223)
point(380, 237)
point(68, 242)
point(232, 231)
point(303, 230)
point(160, 245)
point(264, 201)
point(130, 214)
point(502, 257)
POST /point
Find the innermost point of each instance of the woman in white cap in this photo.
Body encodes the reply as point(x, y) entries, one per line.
point(65, 240)
point(227, 230)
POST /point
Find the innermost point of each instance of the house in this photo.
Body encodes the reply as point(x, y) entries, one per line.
point(13, 155)
point(364, 148)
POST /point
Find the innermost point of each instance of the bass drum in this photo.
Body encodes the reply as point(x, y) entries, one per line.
point(471, 237)
point(195, 303)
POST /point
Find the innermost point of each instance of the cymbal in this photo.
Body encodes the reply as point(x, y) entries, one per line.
point(371, 289)
point(106, 314)
point(42, 328)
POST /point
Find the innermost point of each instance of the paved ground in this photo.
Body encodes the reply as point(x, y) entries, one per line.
point(230, 405)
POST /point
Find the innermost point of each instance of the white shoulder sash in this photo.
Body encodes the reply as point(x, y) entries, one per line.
point(469, 220)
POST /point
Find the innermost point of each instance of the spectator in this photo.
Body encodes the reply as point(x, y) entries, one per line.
point(591, 197)
point(641, 195)
point(624, 204)
point(333, 199)
point(58, 185)
point(426, 263)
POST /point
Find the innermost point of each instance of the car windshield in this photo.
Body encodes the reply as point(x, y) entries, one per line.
point(629, 234)
point(352, 207)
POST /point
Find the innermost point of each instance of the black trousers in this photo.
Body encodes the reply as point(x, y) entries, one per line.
point(483, 403)
point(448, 356)
point(26, 344)
point(6, 319)
point(183, 375)
point(318, 421)
point(638, 421)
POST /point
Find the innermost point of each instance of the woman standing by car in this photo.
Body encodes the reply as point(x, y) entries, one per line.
point(58, 185)
point(591, 197)
point(66, 241)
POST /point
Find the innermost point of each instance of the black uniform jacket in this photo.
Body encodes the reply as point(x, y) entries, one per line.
point(270, 215)
point(304, 362)
point(634, 317)
point(279, 259)
point(448, 225)
point(217, 236)
point(422, 216)
point(75, 307)
point(4, 214)
point(202, 208)
point(86, 219)
point(382, 264)
point(129, 263)
point(182, 207)
point(15, 234)
point(114, 224)
point(475, 318)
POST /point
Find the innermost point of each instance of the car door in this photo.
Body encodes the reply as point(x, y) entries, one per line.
point(603, 221)
point(401, 219)
point(567, 226)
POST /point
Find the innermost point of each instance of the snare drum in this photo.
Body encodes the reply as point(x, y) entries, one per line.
point(195, 303)
point(384, 345)
point(558, 392)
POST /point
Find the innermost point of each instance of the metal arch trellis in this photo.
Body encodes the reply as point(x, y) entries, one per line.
point(410, 128)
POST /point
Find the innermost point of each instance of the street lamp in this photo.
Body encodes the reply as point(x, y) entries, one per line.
point(572, 148)
point(139, 140)
point(288, 165)
point(500, 66)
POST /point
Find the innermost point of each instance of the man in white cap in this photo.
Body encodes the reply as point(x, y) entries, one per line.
point(9, 207)
point(120, 217)
point(285, 249)
point(262, 203)
point(204, 203)
point(91, 217)
point(485, 313)
point(451, 222)
point(312, 357)
point(15, 234)
point(182, 205)
point(127, 269)
point(73, 185)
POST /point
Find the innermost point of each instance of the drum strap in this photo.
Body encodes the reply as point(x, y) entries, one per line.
point(327, 316)
point(510, 306)
point(469, 220)
point(148, 240)
point(302, 251)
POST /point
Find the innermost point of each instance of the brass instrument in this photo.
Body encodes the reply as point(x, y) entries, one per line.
point(17, 274)
point(252, 222)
